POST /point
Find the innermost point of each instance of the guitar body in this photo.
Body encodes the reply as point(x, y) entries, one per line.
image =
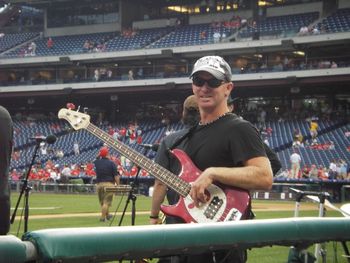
point(224, 204)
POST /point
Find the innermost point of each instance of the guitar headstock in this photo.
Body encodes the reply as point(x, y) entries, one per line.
point(76, 119)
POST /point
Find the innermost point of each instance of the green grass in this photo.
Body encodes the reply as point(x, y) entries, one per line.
point(59, 204)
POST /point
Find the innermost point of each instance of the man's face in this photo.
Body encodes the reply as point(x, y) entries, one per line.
point(209, 91)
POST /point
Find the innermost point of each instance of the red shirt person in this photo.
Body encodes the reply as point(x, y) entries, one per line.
point(49, 43)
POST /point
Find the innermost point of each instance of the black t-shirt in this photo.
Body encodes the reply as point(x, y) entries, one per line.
point(227, 142)
point(274, 161)
point(105, 170)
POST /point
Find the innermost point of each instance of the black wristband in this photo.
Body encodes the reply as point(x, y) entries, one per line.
point(153, 217)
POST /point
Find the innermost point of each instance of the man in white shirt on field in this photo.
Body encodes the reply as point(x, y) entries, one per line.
point(295, 160)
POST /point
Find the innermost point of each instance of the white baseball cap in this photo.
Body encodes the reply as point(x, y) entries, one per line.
point(214, 65)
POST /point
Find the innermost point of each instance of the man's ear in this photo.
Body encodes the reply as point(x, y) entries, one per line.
point(229, 88)
point(232, 85)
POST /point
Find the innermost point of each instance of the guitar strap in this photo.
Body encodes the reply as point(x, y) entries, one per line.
point(179, 140)
point(190, 132)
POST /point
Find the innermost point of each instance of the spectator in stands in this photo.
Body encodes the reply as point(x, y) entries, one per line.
point(49, 43)
point(59, 153)
point(115, 134)
point(244, 165)
point(295, 160)
point(305, 174)
point(139, 73)
point(313, 174)
point(262, 118)
point(216, 36)
point(76, 148)
point(103, 73)
point(43, 148)
point(334, 65)
point(15, 176)
point(54, 176)
point(65, 174)
point(322, 173)
point(315, 31)
point(109, 74)
point(97, 74)
point(203, 35)
point(298, 139)
point(32, 49)
point(106, 176)
point(303, 31)
point(313, 128)
point(332, 170)
point(86, 46)
point(131, 74)
point(343, 170)
point(89, 171)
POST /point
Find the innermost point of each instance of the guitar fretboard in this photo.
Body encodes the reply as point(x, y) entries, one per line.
point(158, 171)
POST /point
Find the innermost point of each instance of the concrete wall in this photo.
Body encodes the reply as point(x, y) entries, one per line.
point(85, 29)
point(155, 23)
point(208, 18)
point(294, 9)
point(344, 4)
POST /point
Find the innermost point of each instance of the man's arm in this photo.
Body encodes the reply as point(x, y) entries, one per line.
point(159, 193)
point(256, 174)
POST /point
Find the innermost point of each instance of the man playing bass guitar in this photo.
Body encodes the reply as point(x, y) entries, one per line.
point(228, 151)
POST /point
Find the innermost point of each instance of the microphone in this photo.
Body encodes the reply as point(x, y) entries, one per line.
point(50, 139)
point(153, 147)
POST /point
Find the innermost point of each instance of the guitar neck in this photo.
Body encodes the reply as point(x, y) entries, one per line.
point(158, 171)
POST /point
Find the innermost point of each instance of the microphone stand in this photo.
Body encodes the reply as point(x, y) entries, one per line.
point(132, 197)
point(25, 190)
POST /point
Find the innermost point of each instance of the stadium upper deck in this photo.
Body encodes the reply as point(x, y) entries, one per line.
point(279, 61)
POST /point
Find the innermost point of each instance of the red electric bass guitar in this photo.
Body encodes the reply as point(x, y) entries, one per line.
point(224, 203)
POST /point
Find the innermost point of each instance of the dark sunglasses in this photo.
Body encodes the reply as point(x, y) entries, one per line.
point(212, 83)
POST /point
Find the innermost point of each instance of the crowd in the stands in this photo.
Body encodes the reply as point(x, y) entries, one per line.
point(262, 116)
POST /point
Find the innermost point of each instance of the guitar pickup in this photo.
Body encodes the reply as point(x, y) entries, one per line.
point(213, 207)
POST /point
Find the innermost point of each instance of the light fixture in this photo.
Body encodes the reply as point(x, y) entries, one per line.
point(299, 53)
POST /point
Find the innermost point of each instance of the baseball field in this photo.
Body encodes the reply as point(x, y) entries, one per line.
point(82, 210)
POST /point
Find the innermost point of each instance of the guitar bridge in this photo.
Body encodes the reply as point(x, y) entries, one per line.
point(233, 215)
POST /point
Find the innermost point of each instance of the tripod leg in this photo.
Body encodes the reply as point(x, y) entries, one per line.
point(123, 213)
point(346, 250)
point(26, 209)
point(133, 209)
point(320, 250)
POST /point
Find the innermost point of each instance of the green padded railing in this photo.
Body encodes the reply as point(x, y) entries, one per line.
point(115, 243)
point(12, 249)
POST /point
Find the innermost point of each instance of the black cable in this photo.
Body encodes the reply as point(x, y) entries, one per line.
point(20, 220)
point(116, 210)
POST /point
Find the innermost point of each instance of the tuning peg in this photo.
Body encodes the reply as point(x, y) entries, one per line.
point(70, 106)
